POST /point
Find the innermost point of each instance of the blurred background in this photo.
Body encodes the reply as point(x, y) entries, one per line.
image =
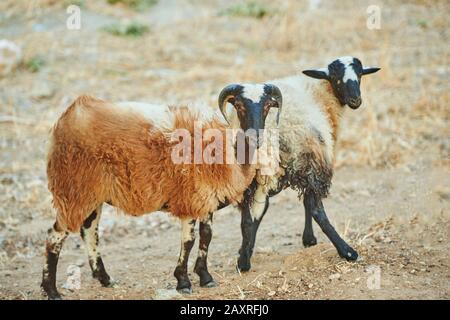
point(391, 191)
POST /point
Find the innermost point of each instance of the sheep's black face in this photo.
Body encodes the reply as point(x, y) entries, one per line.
point(344, 74)
point(252, 103)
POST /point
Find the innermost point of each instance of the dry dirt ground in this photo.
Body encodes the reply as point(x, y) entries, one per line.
point(391, 191)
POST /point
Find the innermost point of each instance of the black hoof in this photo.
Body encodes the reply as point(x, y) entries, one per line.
point(50, 292)
point(52, 295)
point(111, 284)
point(309, 241)
point(349, 254)
point(184, 286)
point(104, 279)
point(205, 279)
point(243, 265)
point(185, 290)
point(210, 284)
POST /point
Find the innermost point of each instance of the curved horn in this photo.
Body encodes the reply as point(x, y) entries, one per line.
point(226, 94)
point(275, 93)
point(369, 70)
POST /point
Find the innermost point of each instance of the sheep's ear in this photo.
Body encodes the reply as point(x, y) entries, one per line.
point(317, 74)
point(370, 70)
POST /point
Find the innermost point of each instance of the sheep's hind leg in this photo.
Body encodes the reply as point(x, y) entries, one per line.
point(89, 234)
point(187, 242)
point(250, 222)
point(201, 266)
point(308, 237)
point(314, 204)
point(54, 243)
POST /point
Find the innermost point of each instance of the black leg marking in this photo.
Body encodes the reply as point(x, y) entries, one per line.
point(249, 229)
point(89, 234)
point(308, 237)
point(247, 234)
point(314, 204)
point(187, 242)
point(201, 266)
point(54, 243)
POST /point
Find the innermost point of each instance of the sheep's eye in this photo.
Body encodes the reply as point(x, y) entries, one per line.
point(267, 106)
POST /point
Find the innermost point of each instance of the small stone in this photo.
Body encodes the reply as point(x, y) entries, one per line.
point(334, 276)
point(271, 293)
point(413, 271)
point(165, 226)
point(154, 224)
point(80, 263)
point(166, 294)
point(10, 56)
point(387, 240)
point(42, 90)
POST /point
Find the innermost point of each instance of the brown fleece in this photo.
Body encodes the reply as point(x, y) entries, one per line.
point(325, 98)
point(101, 154)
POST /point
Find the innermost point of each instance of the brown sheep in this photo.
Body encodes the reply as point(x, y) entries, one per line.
point(122, 154)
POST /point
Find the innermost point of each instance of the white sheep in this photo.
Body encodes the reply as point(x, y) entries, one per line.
point(124, 154)
point(308, 131)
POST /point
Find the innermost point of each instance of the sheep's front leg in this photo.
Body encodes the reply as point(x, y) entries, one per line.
point(187, 242)
point(54, 243)
point(250, 221)
point(201, 265)
point(314, 204)
point(308, 237)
